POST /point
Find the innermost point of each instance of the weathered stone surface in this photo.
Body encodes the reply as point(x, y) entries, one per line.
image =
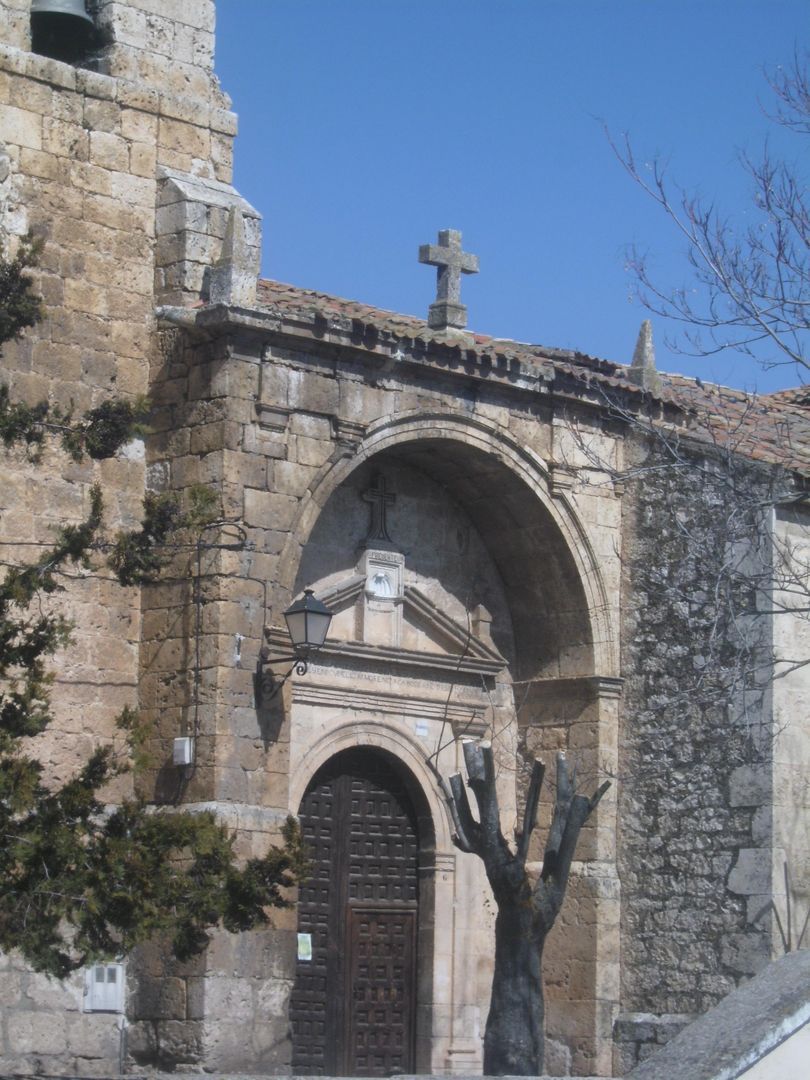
point(451, 262)
point(750, 786)
point(85, 145)
point(642, 369)
point(750, 873)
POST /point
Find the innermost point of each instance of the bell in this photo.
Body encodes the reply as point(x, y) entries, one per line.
point(61, 29)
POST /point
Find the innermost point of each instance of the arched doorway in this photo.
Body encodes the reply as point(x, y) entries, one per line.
point(353, 1005)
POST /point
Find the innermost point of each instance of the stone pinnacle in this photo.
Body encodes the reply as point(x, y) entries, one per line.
point(642, 370)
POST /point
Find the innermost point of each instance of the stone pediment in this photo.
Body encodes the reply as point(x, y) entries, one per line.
point(452, 647)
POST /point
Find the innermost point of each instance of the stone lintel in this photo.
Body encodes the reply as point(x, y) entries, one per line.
point(388, 703)
point(388, 655)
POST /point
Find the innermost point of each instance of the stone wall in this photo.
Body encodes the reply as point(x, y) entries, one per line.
point(44, 1030)
point(695, 840)
point(639, 1035)
point(791, 723)
point(82, 152)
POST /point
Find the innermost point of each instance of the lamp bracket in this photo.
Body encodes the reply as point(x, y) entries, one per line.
point(267, 684)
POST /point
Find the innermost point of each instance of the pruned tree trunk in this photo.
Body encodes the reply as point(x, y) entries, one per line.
point(513, 1041)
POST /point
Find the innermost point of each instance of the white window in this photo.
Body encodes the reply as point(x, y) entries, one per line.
point(104, 988)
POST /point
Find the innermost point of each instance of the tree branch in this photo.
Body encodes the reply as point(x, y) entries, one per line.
point(530, 811)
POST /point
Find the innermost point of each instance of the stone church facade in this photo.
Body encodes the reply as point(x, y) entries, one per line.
point(475, 517)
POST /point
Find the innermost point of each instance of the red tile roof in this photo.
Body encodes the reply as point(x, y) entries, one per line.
point(772, 428)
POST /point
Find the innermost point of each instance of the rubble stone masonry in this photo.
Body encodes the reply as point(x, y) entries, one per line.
point(697, 742)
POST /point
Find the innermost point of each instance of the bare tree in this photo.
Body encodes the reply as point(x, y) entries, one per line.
point(753, 282)
point(513, 1041)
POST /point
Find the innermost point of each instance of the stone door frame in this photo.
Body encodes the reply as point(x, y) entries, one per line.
point(437, 865)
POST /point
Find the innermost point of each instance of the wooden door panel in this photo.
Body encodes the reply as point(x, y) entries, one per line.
point(380, 976)
point(352, 1008)
point(313, 1053)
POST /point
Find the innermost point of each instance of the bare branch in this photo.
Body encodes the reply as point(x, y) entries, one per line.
point(753, 281)
point(530, 811)
point(562, 804)
point(481, 771)
point(467, 827)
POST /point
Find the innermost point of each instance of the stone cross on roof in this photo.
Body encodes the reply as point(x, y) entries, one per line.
point(448, 310)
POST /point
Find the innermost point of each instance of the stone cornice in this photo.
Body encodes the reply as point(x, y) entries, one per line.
point(474, 656)
point(453, 357)
point(602, 687)
point(462, 715)
point(403, 660)
point(417, 603)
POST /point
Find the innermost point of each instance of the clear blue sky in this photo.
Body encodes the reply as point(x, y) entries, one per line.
point(367, 125)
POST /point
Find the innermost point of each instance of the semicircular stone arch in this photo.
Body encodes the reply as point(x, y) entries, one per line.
point(562, 621)
point(399, 747)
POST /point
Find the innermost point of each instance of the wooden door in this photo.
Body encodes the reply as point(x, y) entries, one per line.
point(352, 1008)
point(380, 990)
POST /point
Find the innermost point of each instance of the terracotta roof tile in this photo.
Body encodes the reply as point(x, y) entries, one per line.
point(772, 428)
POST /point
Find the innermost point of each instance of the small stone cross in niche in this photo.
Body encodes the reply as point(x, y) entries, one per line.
point(451, 263)
point(380, 499)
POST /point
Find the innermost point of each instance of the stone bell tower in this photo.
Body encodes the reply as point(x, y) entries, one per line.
point(116, 148)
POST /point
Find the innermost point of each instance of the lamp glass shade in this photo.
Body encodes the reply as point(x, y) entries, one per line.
point(307, 622)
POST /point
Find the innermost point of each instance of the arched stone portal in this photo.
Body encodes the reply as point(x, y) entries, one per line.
point(361, 915)
point(469, 603)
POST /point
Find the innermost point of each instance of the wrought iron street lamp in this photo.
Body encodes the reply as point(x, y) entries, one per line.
point(307, 624)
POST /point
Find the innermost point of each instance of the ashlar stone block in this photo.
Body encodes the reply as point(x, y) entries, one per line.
point(750, 786)
point(751, 873)
point(22, 127)
point(109, 151)
point(32, 96)
point(102, 117)
point(36, 1032)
